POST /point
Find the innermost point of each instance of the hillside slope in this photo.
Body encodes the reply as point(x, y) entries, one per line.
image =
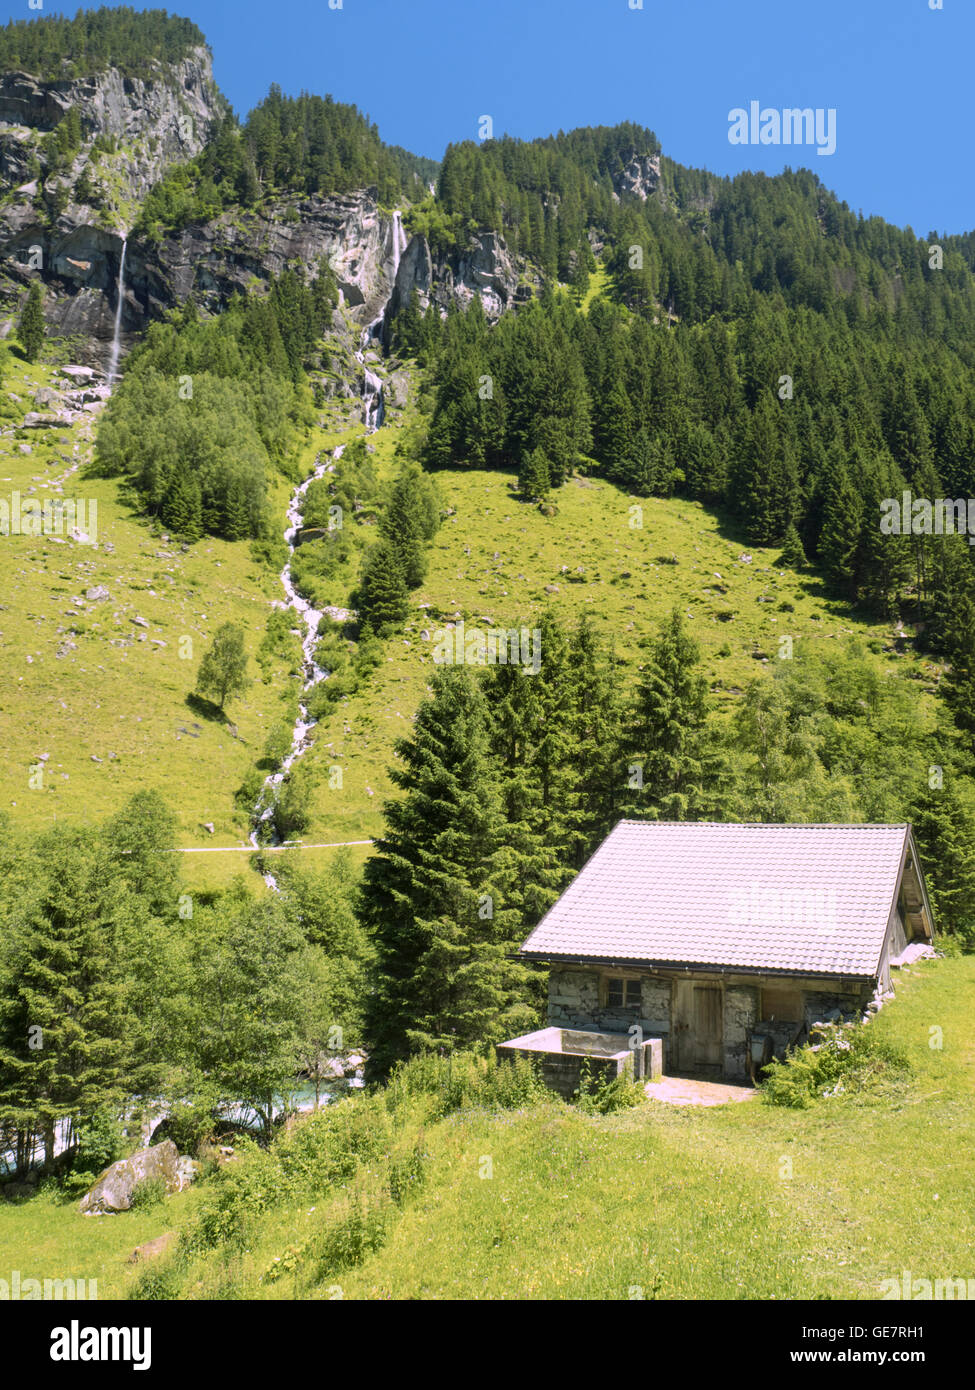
point(738, 1201)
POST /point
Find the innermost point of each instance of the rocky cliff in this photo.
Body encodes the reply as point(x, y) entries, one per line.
point(241, 250)
point(640, 178)
point(66, 220)
point(484, 267)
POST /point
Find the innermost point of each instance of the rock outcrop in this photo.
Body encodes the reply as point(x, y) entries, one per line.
point(153, 122)
point(133, 129)
point(640, 178)
point(113, 1190)
point(484, 266)
point(235, 251)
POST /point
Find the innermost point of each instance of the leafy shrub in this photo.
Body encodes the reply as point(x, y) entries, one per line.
point(158, 1283)
point(602, 1094)
point(849, 1057)
point(148, 1193)
point(464, 1081)
point(408, 1174)
point(240, 1194)
point(362, 1230)
point(190, 1124)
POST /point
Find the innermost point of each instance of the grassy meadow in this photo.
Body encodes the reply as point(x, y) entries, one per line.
point(543, 1201)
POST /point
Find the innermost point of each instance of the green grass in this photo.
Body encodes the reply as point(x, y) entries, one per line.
point(46, 1237)
point(131, 700)
point(599, 565)
point(740, 1201)
point(736, 1201)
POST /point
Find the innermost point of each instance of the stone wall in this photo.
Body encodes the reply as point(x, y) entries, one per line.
point(741, 1006)
point(573, 1002)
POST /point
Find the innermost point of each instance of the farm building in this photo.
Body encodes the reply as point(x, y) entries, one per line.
point(715, 946)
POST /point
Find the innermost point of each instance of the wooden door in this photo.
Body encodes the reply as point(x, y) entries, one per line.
point(697, 1032)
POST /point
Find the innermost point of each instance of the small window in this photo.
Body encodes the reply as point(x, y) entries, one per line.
point(622, 993)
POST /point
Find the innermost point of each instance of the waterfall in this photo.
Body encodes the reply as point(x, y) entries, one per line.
point(399, 243)
point(373, 402)
point(113, 361)
point(313, 673)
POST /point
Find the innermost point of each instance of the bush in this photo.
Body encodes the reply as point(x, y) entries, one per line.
point(604, 1095)
point(408, 1174)
point(148, 1193)
point(465, 1081)
point(850, 1057)
point(190, 1125)
point(158, 1283)
point(359, 1232)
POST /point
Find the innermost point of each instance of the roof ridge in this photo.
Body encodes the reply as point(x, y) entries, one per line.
point(771, 825)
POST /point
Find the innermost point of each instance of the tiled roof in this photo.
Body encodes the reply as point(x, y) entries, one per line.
point(812, 899)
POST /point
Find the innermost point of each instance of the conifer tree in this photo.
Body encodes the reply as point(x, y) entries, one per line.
point(69, 1046)
point(382, 601)
point(533, 476)
point(595, 719)
point(672, 773)
point(30, 329)
point(793, 556)
point(182, 508)
point(944, 829)
point(842, 519)
point(436, 892)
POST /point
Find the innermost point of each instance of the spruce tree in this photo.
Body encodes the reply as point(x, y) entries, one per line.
point(944, 829)
point(382, 600)
point(672, 772)
point(793, 556)
point(69, 1045)
point(435, 894)
point(533, 476)
point(182, 508)
point(595, 721)
point(842, 519)
point(30, 330)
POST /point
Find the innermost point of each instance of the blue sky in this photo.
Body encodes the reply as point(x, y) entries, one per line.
point(897, 73)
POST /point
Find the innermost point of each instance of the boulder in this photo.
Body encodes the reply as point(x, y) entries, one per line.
point(114, 1188)
point(152, 1248)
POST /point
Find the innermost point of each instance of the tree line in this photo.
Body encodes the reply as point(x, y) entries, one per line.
point(119, 986)
point(208, 408)
point(305, 144)
point(795, 423)
point(54, 46)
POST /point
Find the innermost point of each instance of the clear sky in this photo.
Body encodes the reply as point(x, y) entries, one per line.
point(898, 74)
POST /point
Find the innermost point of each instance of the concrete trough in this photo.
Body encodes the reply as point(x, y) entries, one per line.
point(562, 1051)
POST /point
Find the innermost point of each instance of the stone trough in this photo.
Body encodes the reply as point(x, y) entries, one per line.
point(562, 1051)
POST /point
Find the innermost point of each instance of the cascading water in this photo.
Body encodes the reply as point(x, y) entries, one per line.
point(313, 673)
point(373, 410)
point(116, 336)
point(373, 404)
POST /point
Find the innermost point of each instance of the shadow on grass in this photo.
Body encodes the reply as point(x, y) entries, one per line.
point(206, 709)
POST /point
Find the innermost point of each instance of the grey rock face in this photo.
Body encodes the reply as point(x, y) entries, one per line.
point(485, 267)
point(640, 177)
point(231, 253)
point(157, 120)
point(113, 1190)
